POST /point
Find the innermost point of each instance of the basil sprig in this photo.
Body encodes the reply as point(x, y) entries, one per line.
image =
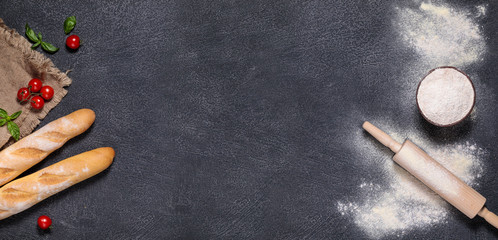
point(11, 126)
point(69, 24)
point(37, 39)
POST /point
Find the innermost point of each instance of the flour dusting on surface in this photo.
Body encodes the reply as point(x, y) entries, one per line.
point(404, 203)
point(442, 35)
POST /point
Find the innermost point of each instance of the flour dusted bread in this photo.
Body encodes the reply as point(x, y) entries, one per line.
point(25, 192)
point(30, 150)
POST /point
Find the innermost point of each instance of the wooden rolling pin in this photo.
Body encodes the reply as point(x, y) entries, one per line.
point(435, 176)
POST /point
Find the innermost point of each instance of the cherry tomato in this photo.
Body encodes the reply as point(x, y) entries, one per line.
point(44, 222)
point(73, 42)
point(37, 102)
point(47, 92)
point(23, 94)
point(35, 85)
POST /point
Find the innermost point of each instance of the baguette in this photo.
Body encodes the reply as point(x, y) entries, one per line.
point(27, 191)
point(30, 150)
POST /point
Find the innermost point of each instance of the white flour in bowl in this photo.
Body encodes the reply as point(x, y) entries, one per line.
point(445, 96)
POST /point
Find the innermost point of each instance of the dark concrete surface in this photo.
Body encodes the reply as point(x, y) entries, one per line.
point(229, 118)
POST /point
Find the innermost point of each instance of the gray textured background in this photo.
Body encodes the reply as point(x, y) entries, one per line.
point(229, 118)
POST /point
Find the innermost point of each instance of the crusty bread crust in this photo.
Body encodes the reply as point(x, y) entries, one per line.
point(25, 192)
point(30, 150)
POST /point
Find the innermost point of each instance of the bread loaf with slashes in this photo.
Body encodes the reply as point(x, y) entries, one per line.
point(27, 191)
point(33, 148)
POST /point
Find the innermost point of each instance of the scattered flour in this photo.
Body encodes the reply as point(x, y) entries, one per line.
point(481, 10)
point(404, 203)
point(441, 35)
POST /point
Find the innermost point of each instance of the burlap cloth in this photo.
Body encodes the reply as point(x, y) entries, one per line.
point(18, 65)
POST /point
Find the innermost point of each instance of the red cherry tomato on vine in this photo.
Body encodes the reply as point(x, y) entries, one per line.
point(47, 92)
point(73, 42)
point(35, 85)
point(23, 94)
point(44, 222)
point(37, 102)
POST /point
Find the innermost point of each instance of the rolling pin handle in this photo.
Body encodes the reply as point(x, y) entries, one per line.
point(382, 137)
point(490, 217)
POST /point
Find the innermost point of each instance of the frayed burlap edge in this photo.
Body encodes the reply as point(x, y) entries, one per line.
point(45, 66)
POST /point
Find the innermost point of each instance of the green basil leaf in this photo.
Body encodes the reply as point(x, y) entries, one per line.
point(3, 113)
point(35, 45)
point(69, 24)
point(49, 47)
point(15, 115)
point(13, 129)
point(39, 37)
point(3, 121)
point(31, 34)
